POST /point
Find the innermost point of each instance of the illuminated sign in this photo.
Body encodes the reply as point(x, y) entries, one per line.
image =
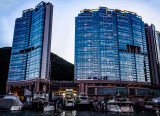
point(69, 89)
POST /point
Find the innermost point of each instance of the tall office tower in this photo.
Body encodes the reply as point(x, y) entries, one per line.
point(110, 45)
point(153, 43)
point(30, 56)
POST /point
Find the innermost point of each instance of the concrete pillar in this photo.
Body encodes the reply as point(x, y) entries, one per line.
point(81, 87)
point(30, 87)
point(136, 91)
point(95, 91)
point(7, 89)
point(86, 90)
point(44, 87)
point(128, 90)
point(37, 87)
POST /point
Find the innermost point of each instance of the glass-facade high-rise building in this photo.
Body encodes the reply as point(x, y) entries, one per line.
point(110, 45)
point(153, 43)
point(30, 56)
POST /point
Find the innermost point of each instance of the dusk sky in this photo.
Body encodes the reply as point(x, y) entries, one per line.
point(64, 13)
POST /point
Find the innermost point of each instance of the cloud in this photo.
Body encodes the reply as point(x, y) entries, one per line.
point(6, 32)
point(7, 4)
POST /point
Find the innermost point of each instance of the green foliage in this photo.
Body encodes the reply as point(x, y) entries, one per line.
point(61, 69)
point(4, 66)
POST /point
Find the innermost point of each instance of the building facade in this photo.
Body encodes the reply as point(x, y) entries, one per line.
point(153, 39)
point(110, 45)
point(110, 51)
point(59, 88)
point(30, 55)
